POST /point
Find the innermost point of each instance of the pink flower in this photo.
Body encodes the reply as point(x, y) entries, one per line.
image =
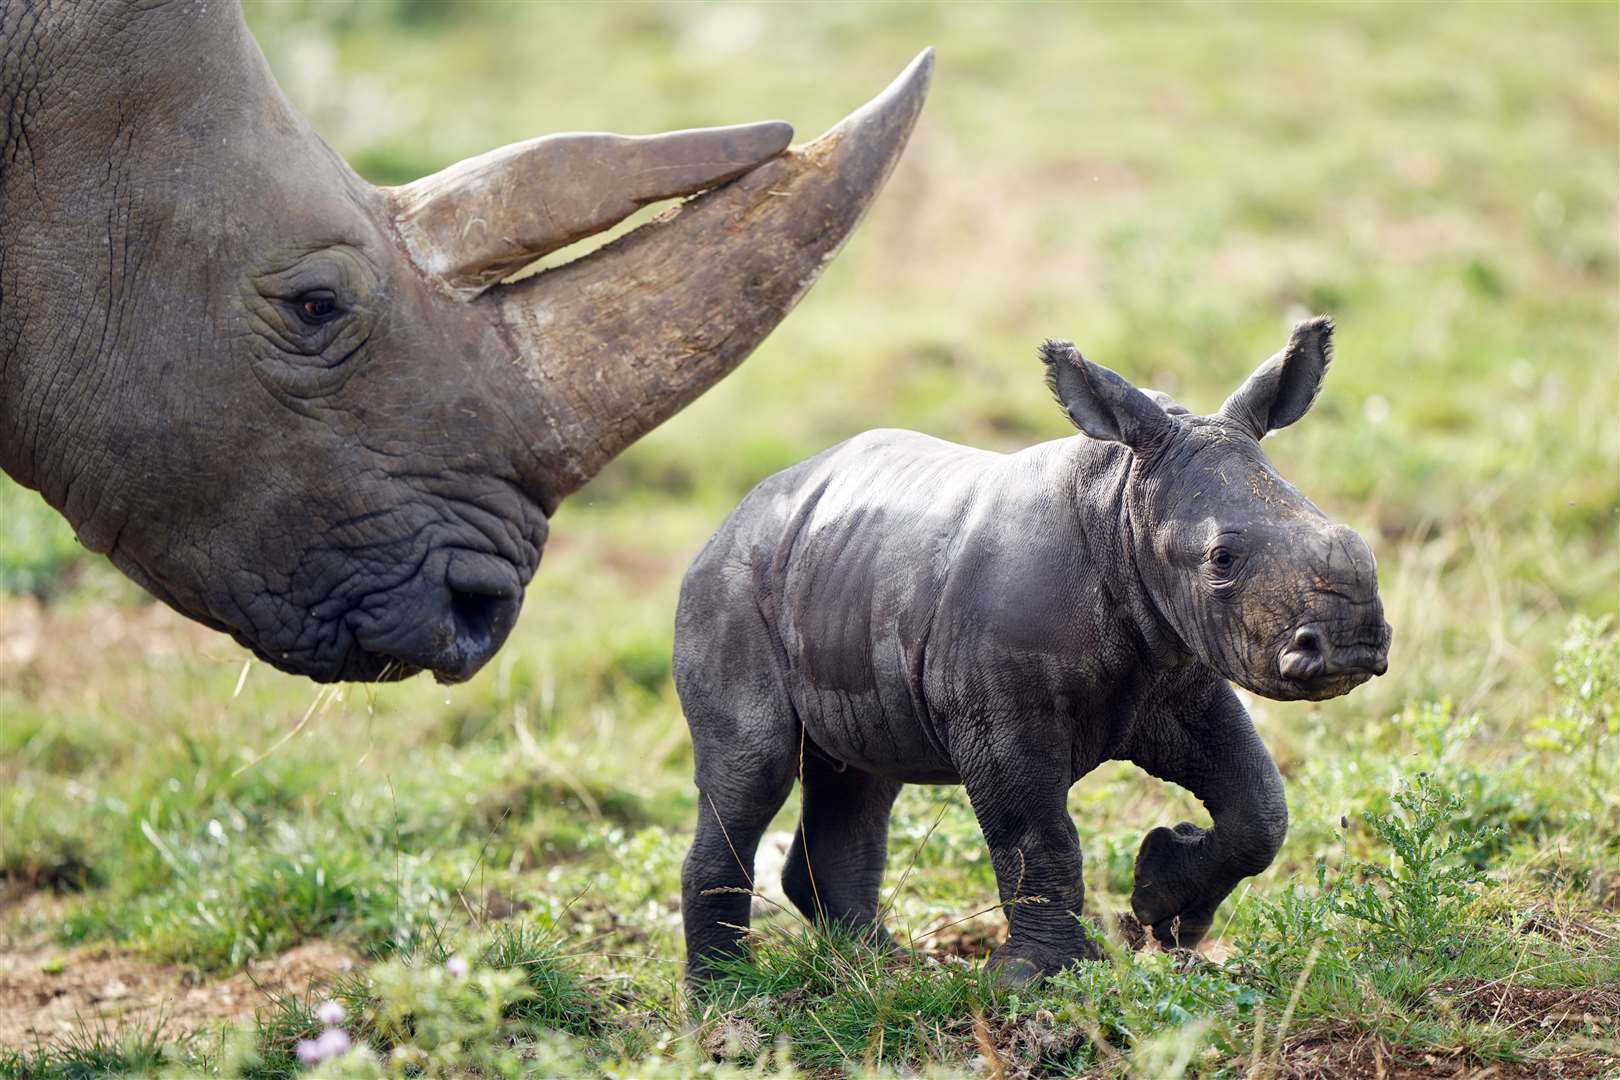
point(330, 1013)
point(457, 966)
point(334, 1042)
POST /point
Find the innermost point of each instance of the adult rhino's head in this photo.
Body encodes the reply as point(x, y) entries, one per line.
point(308, 411)
point(1252, 578)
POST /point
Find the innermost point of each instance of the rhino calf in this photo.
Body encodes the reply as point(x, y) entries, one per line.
point(903, 610)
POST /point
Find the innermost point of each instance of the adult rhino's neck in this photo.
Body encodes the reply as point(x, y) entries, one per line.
point(1109, 519)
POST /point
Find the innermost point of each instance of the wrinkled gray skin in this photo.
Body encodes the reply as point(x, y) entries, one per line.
point(903, 610)
point(311, 412)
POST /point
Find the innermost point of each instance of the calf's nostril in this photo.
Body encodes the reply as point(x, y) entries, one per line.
point(1308, 640)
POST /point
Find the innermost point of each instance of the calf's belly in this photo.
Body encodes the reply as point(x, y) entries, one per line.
point(860, 730)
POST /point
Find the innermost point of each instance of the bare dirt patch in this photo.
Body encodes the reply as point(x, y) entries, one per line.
point(46, 994)
point(1346, 1054)
point(55, 644)
point(1530, 1008)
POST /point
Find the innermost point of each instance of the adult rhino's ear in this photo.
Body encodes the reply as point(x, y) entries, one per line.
point(1283, 388)
point(1101, 403)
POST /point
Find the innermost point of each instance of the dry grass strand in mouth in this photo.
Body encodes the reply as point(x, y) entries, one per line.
point(323, 697)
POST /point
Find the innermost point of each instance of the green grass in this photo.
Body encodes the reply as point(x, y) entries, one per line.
point(1167, 185)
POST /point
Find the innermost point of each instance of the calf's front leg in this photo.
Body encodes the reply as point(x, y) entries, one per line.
point(1021, 804)
point(1183, 873)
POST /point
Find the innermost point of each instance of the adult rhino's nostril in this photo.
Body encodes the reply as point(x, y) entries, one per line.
point(484, 597)
point(448, 621)
point(477, 614)
point(479, 623)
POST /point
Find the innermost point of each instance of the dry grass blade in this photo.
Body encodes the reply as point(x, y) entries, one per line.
point(1293, 1001)
point(322, 696)
point(1256, 1055)
point(894, 893)
point(983, 911)
point(747, 871)
point(830, 1036)
point(987, 1047)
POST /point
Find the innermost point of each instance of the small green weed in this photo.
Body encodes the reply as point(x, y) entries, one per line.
point(1585, 721)
point(1417, 903)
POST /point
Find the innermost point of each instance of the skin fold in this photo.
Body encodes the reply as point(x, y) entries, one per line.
point(901, 609)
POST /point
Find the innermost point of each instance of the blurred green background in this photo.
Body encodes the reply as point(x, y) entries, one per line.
point(1169, 185)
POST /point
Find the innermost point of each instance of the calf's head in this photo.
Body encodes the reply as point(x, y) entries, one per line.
point(1252, 578)
point(316, 413)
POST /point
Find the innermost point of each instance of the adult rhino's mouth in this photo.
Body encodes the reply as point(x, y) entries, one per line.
point(433, 583)
point(449, 618)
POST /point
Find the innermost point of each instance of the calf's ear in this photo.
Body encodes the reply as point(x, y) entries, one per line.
point(1283, 388)
point(1101, 403)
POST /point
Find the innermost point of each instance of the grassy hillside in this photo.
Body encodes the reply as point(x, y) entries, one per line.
point(1168, 185)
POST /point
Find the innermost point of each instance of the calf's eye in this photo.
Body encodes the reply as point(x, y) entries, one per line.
point(1221, 559)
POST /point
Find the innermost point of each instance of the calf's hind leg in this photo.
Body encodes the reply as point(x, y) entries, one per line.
point(742, 783)
point(835, 870)
point(1183, 874)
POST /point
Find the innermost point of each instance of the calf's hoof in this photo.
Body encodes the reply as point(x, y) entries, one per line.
point(1166, 898)
point(1015, 965)
point(1181, 932)
point(1014, 971)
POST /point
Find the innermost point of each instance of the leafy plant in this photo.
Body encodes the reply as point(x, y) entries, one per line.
point(1416, 902)
point(1280, 935)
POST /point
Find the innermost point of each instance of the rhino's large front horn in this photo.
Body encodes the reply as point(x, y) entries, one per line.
point(620, 340)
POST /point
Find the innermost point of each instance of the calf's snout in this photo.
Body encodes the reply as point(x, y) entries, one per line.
point(1312, 654)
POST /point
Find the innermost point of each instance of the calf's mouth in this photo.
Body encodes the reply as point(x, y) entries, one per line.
point(1316, 664)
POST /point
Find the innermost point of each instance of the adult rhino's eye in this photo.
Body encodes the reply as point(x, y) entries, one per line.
point(1221, 559)
point(318, 308)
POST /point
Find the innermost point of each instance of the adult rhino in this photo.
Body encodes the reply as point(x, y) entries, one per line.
point(310, 412)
